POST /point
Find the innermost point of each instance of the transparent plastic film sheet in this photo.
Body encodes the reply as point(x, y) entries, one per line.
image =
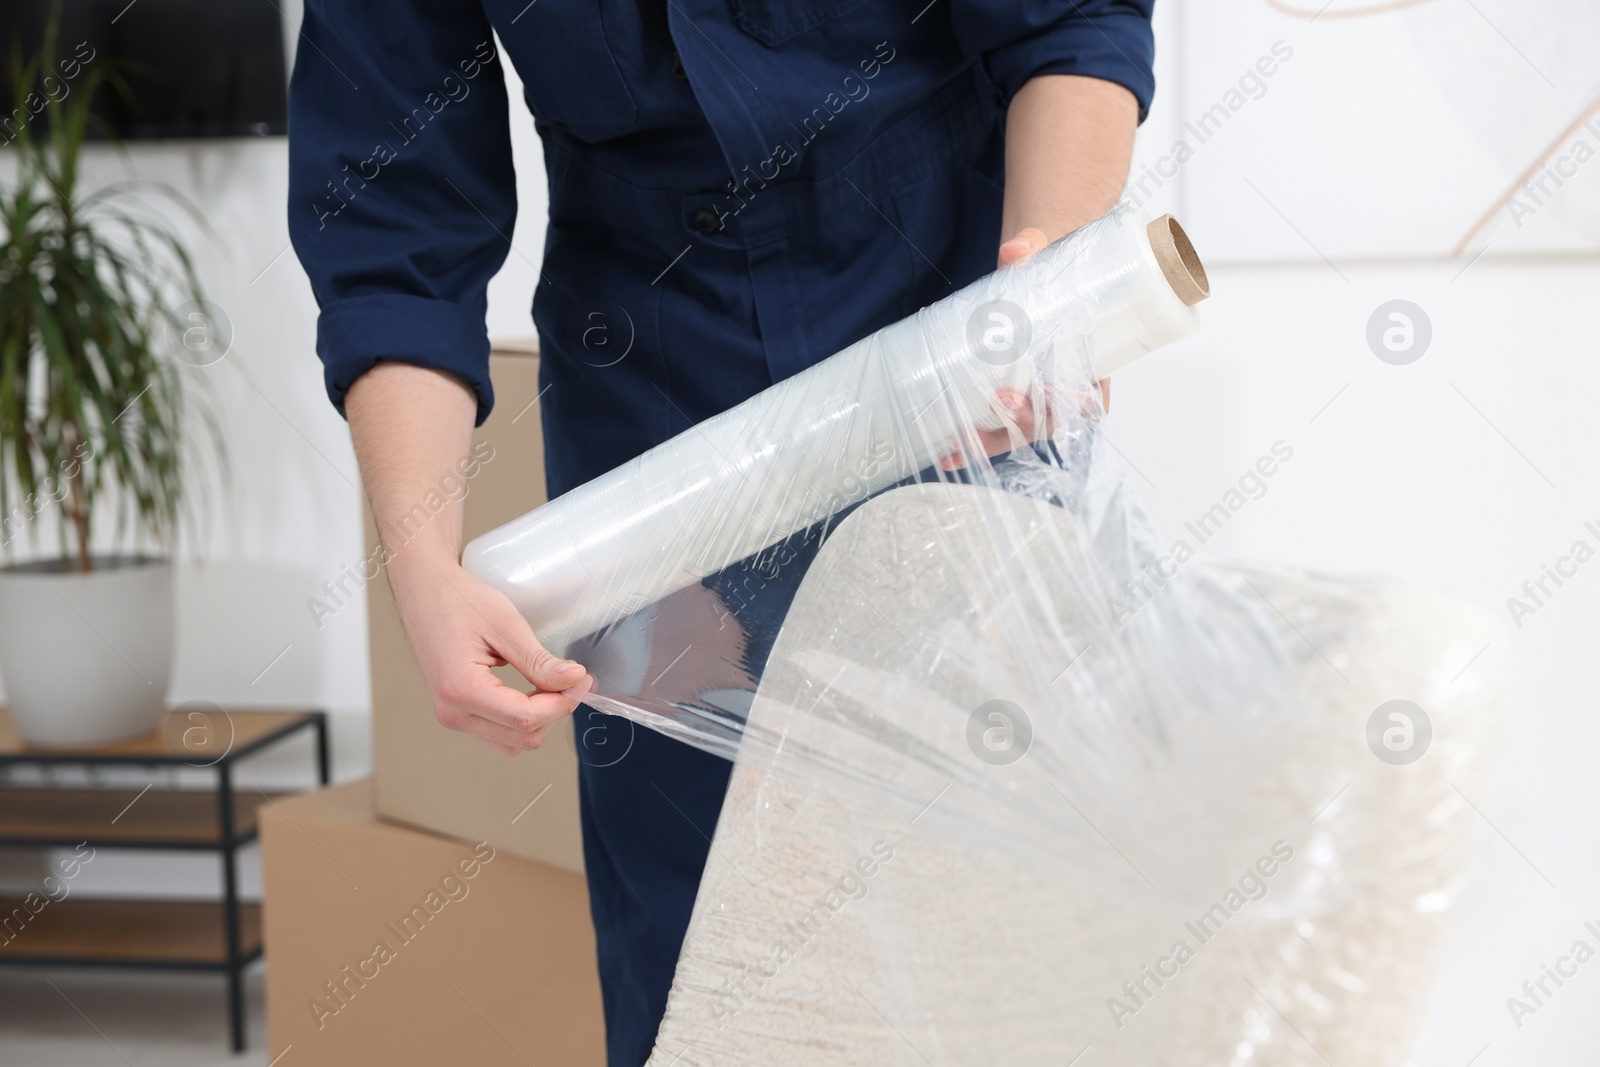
point(1014, 776)
point(718, 525)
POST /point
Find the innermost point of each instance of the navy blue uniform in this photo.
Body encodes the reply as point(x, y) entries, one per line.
point(738, 188)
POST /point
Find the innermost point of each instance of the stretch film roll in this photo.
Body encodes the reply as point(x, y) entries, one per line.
point(872, 415)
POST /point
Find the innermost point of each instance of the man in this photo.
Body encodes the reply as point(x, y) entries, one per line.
point(738, 187)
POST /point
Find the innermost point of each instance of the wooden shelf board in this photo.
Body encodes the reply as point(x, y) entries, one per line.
point(114, 931)
point(198, 738)
point(182, 817)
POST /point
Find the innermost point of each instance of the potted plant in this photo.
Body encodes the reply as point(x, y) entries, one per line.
point(92, 414)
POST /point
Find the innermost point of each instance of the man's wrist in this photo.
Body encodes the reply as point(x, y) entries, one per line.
point(411, 567)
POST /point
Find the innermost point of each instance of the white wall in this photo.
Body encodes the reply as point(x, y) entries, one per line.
point(1388, 131)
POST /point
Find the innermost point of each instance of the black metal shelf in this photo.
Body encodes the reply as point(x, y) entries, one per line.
point(206, 935)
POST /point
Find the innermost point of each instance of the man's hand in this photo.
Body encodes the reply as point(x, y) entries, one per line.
point(412, 427)
point(460, 628)
point(1015, 406)
point(1020, 247)
point(1069, 140)
point(1069, 143)
point(1024, 244)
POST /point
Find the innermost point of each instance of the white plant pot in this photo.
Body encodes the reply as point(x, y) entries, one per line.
point(86, 657)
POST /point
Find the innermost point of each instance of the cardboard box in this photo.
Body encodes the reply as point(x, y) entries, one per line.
point(386, 945)
point(447, 782)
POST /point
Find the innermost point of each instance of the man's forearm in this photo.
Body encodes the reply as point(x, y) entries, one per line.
point(1069, 141)
point(412, 428)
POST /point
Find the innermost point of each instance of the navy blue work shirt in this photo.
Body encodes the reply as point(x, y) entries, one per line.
point(738, 189)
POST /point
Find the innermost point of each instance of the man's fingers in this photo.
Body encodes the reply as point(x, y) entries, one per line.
point(513, 728)
point(1026, 242)
point(482, 695)
point(513, 639)
point(550, 674)
point(508, 739)
point(504, 739)
point(990, 443)
point(1019, 410)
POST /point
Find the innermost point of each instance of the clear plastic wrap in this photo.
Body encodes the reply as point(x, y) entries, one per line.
point(720, 522)
point(857, 423)
point(998, 756)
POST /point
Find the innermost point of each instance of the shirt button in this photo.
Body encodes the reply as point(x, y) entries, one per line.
point(705, 220)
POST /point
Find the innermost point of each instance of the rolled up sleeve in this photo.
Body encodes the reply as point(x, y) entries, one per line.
point(402, 194)
point(1018, 40)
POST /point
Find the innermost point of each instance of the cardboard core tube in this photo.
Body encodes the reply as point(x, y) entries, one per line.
point(1179, 262)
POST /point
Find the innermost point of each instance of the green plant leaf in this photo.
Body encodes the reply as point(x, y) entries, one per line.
point(92, 411)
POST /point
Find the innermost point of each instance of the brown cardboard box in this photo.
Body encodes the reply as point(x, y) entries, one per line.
point(439, 780)
point(391, 946)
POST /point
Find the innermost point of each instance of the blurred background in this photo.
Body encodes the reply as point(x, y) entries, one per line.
point(1335, 165)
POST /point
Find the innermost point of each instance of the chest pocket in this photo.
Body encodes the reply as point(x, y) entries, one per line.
point(569, 74)
point(773, 22)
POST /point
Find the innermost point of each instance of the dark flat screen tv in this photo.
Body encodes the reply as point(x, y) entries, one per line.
point(193, 68)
